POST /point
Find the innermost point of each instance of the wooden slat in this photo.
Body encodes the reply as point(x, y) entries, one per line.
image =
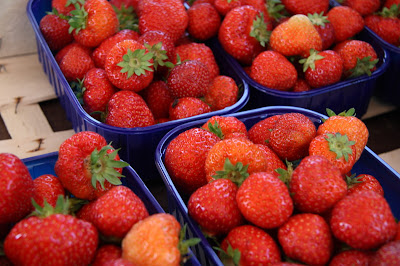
point(392, 158)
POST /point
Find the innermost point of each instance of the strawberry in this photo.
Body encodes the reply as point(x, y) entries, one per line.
point(273, 70)
point(225, 127)
point(324, 28)
point(263, 7)
point(74, 61)
point(346, 124)
point(47, 188)
point(201, 52)
point(53, 237)
point(363, 182)
point(336, 148)
point(187, 107)
point(260, 132)
point(106, 254)
point(115, 212)
point(158, 98)
point(54, 28)
point(359, 58)
point(388, 254)
point(363, 7)
point(322, 68)
point(128, 109)
point(398, 232)
point(256, 247)
point(213, 206)
point(16, 189)
point(242, 33)
point(346, 22)
point(93, 22)
point(126, 3)
point(100, 52)
point(264, 200)
point(221, 93)
point(185, 158)
point(291, 136)
point(301, 85)
point(363, 220)
point(389, 3)
point(129, 66)
point(153, 241)
point(204, 21)
point(296, 36)
point(274, 162)
point(305, 7)
point(350, 257)
point(316, 185)
point(189, 79)
point(64, 6)
point(234, 158)
point(224, 6)
point(306, 237)
point(97, 91)
point(88, 167)
point(386, 24)
point(168, 16)
point(126, 14)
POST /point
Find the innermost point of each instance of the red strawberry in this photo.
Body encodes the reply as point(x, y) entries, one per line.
point(324, 28)
point(187, 107)
point(74, 61)
point(336, 148)
point(106, 254)
point(305, 7)
point(93, 22)
point(274, 162)
point(388, 254)
point(222, 92)
point(350, 257)
point(52, 238)
point(322, 68)
point(363, 182)
point(225, 127)
point(97, 91)
point(128, 109)
point(316, 185)
point(168, 16)
point(363, 220)
point(301, 85)
point(63, 6)
point(236, 30)
point(256, 247)
point(201, 52)
point(213, 206)
point(54, 28)
point(306, 237)
point(291, 136)
point(260, 132)
point(296, 36)
point(224, 6)
point(100, 52)
point(126, 3)
point(185, 158)
point(346, 22)
point(129, 66)
point(16, 189)
point(386, 24)
point(363, 7)
point(390, 3)
point(273, 70)
point(158, 98)
point(47, 188)
point(115, 212)
point(264, 200)
point(263, 7)
point(204, 21)
point(88, 167)
point(189, 79)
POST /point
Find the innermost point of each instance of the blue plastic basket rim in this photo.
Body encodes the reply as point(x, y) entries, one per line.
point(127, 131)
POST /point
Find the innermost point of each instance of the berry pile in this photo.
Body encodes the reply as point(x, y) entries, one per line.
point(82, 215)
point(138, 63)
point(284, 190)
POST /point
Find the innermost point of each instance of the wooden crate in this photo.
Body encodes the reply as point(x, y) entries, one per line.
point(23, 86)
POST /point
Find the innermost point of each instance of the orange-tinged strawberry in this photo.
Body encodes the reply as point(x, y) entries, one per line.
point(225, 127)
point(153, 241)
point(222, 92)
point(187, 107)
point(204, 21)
point(346, 22)
point(296, 36)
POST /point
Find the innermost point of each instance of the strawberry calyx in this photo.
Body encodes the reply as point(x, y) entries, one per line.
point(230, 256)
point(352, 180)
point(363, 66)
point(340, 144)
point(127, 17)
point(236, 173)
point(159, 55)
point(276, 9)
point(392, 12)
point(136, 62)
point(309, 62)
point(62, 207)
point(78, 89)
point(185, 244)
point(330, 113)
point(259, 30)
point(102, 166)
point(79, 16)
point(60, 15)
point(216, 129)
point(318, 19)
point(285, 175)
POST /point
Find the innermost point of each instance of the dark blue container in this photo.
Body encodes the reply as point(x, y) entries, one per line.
point(369, 163)
point(44, 164)
point(137, 144)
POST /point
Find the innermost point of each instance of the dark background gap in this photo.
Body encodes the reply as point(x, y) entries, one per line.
point(56, 115)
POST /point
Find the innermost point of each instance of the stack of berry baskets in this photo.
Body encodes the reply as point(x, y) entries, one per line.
point(369, 163)
point(137, 144)
point(44, 165)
